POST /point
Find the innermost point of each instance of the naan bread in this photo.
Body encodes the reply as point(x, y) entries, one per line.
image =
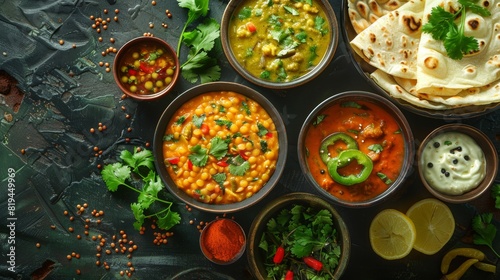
point(362, 13)
point(391, 43)
point(405, 89)
point(437, 74)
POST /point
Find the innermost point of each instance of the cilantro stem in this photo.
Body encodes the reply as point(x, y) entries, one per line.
point(169, 203)
point(159, 212)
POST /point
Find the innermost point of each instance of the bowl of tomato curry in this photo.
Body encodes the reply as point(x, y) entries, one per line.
point(356, 148)
point(220, 147)
point(146, 68)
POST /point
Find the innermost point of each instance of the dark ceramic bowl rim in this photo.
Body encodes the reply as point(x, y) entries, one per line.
point(316, 71)
point(364, 69)
point(406, 169)
point(220, 86)
point(207, 255)
point(259, 223)
point(491, 157)
point(132, 43)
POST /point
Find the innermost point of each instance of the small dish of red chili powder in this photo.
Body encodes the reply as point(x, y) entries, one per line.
point(223, 241)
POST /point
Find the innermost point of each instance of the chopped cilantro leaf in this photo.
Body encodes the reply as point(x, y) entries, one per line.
point(218, 147)
point(226, 123)
point(198, 120)
point(198, 156)
point(262, 130)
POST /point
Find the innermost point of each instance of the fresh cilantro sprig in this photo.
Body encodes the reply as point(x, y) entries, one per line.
point(495, 194)
point(201, 40)
point(442, 27)
point(121, 174)
point(484, 230)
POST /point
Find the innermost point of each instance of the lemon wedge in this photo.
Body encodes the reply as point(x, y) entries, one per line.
point(434, 223)
point(392, 234)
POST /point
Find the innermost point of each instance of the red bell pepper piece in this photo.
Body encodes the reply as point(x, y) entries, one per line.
point(190, 165)
point(222, 163)
point(144, 68)
point(269, 135)
point(279, 255)
point(313, 263)
point(132, 72)
point(205, 129)
point(251, 27)
point(173, 160)
point(243, 155)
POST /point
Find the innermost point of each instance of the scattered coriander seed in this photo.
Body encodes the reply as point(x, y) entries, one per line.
point(92, 130)
point(61, 42)
point(105, 11)
point(65, 212)
point(78, 272)
point(117, 11)
point(112, 40)
point(38, 245)
point(99, 39)
point(153, 3)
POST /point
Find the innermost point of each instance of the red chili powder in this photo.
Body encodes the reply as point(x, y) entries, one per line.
point(223, 239)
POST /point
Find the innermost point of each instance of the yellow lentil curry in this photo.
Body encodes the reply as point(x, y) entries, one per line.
point(220, 147)
point(279, 40)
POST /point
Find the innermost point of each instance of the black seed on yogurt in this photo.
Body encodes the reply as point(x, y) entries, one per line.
point(436, 144)
point(430, 165)
point(443, 170)
point(455, 161)
point(447, 174)
point(466, 157)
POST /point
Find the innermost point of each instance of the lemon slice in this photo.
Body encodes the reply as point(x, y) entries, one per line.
point(392, 234)
point(434, 223)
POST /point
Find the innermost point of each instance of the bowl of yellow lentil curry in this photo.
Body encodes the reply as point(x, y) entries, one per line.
point(146, 68)
point(281, 43)
point(220, 147)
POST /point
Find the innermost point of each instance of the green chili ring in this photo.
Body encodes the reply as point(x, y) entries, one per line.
point(344, 158)
point(330, 140)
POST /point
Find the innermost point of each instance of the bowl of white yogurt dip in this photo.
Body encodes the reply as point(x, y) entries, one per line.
point(457, 163)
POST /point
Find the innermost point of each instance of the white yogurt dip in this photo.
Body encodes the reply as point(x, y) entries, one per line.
point(453, 163)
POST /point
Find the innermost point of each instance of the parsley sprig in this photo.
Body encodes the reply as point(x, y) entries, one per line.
point(484, 230)
point(201, 41)
point(442, 27)
point(140, 163)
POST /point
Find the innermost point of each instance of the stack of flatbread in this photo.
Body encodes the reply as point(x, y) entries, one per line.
point(414, 67)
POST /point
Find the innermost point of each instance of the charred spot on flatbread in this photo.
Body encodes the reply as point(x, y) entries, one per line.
point(412, 23)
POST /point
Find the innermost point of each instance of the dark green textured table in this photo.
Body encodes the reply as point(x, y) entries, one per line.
point(58, 92)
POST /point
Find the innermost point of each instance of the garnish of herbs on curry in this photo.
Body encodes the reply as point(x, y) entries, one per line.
point(220, 147)
point(453, 163)
point(279, 41)
point(355, 150)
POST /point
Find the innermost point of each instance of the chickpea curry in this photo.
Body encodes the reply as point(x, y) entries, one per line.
point(355, 150)
point(221, 147)
point(146, 69)
point(279, 40)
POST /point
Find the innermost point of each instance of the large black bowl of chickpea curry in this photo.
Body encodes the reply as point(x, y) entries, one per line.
point(220, 147)
point(279, 44)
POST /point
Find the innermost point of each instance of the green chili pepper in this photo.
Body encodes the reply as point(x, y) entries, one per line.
point(344, 158)
point(331, 140)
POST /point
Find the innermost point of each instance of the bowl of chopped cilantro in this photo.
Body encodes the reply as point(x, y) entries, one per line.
point(220, 147)
point(279, 44)
point(298, 236)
